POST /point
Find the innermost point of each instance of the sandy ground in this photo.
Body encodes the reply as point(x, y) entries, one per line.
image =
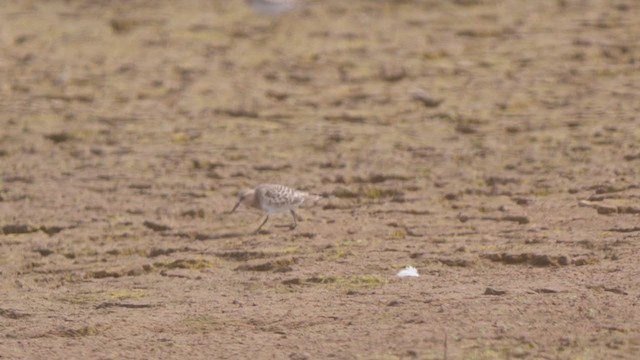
point(494, 145)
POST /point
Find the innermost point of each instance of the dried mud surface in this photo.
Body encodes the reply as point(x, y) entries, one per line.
point(493, 145)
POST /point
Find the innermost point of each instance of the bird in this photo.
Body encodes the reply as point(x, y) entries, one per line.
point(274, 198)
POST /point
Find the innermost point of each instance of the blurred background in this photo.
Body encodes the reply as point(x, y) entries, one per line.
point(253, 83)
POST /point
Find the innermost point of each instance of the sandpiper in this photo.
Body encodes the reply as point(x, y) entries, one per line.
point(274, 198)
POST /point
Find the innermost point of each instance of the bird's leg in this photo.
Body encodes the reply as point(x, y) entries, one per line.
point(295, 221)
point(261, 225)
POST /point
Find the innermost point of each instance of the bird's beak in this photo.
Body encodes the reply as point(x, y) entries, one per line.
point(235, 207)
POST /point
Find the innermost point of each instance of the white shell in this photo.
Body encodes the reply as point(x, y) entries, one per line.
point(409, 271)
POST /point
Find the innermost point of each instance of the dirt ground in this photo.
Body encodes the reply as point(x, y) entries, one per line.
point(492, 144)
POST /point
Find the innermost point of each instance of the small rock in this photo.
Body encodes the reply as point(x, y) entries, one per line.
point(278, 95)
point(492, 291)
point(155, 226)
point(625, 230)
point(606, 210)
point(18, 229)
point(563, 260)
point(597, 197)
point(519, 352)
point(424, 97)
point(451, 196)
point(59, 137)
point(412, 354)
point(615, 290)
point(584, 261)
point(631, 157)
point(51, 230)
point(294, 281)
point(629, 209)
point(566, 341)
point(122, 25)
point(545, 291)
point(299, 356)
point(12, 314)
point(542, 260)
point(519, 219)
point(392, 72)
point(44, 252)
